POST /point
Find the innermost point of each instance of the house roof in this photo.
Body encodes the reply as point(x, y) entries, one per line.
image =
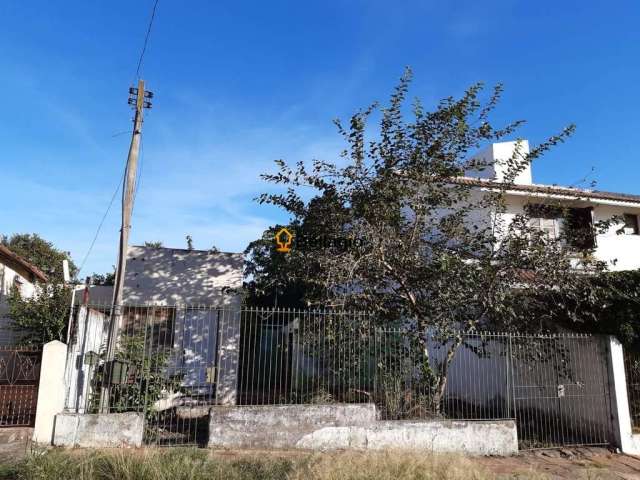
point(18, 260)
point(180, 276)
point(577, 193)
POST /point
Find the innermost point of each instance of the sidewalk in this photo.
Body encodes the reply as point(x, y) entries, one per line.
point(583, 463)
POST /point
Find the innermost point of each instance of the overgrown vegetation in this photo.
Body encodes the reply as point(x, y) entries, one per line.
point(389, 230)
point(614, 309)
point(140, 376)
point(183, 464)
point(41, 253)
point(41, 318)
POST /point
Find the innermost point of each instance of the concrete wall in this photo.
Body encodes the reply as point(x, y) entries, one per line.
point(443, 436)
point(98, 430)
point(280, 426)
point(325, 427)
point(51, 390)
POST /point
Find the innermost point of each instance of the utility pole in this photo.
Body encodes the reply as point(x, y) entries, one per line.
point(140, 99)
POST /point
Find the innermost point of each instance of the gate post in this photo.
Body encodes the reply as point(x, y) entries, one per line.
point(50, 391)
point(621, 418)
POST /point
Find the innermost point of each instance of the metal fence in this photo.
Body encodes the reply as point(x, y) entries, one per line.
point(19, 378)
point(173, 362)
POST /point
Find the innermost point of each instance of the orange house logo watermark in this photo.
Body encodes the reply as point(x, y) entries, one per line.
point(284, 239)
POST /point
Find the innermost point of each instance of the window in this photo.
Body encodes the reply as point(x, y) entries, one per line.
point(630, 224)
point(578, 228)
point(17, 284)
point(549, 226)
point(573, 224)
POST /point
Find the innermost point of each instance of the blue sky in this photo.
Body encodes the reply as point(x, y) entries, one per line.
point(239, 84)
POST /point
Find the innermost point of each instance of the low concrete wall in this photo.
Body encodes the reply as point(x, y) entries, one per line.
point(98, 430)
point(468, 437)
point(280, 426)
point(326, 427)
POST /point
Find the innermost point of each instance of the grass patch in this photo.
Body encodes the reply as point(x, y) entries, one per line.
point(194, 464)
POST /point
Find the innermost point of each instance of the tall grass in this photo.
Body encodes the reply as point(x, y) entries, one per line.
point(193, 464)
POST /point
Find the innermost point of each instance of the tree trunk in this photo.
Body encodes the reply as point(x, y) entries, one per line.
point(441, 382)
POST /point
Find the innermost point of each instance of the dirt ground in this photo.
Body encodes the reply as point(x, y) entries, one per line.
point(583, 463)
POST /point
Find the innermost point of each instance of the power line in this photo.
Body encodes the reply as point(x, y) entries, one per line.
point(140, 59)
point(146, 39)
point(95, 237)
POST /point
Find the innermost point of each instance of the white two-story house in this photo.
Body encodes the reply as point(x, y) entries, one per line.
point(618, 246)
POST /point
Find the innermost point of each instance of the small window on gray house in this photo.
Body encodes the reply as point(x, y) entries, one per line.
point(631, 224)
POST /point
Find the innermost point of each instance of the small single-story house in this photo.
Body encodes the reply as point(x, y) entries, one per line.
point(186, 300)
point(18, 273)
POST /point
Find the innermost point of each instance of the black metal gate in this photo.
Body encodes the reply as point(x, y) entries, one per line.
point(560, 388)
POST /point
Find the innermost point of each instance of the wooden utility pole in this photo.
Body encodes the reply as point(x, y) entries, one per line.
point(140, 99)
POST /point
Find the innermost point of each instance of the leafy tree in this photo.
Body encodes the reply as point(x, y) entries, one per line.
point(104, 279)
point(406, 239)
point(41, 318)
point(612, 308)
point(276, 279)
point(38, 251)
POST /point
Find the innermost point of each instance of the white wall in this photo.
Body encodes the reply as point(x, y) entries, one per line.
point(497, 155)
point(621, 252)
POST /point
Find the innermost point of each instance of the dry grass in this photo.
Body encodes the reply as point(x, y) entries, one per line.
point(193, 464)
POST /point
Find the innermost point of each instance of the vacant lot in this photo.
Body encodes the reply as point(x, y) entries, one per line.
point(192, 464)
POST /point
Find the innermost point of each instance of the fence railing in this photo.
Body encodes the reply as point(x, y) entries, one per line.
point(19, 378)
point(173, 362)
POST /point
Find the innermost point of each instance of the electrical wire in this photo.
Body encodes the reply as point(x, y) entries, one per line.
point(146, 38)
point(137, 188)
point(104, 217)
